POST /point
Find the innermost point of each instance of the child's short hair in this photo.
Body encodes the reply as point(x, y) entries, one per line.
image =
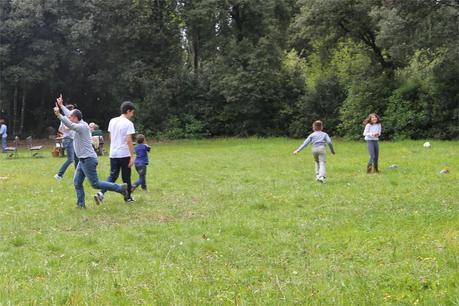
point(126, 106)
point(317, 125)
point(140, 138)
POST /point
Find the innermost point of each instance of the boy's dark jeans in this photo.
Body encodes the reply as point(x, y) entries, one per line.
point(117, 165)
point(142, 171)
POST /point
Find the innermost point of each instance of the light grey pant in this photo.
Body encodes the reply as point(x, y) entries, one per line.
point(320, 158)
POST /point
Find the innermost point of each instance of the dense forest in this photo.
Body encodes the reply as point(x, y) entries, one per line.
point(203, 68)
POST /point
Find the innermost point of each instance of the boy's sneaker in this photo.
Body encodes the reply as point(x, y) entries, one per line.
point(129, 200)
point(321, 179)
point(58, 177)
point(99, 198)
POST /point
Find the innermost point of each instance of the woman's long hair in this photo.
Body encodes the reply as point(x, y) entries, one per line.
point(368, 119)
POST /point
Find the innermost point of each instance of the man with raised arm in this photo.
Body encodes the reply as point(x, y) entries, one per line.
point(87, 166)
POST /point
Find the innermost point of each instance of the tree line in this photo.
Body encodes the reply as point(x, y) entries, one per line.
point(203, 68)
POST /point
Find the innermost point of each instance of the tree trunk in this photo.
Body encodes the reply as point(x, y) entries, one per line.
point(23, 107)
point(236, 15)
point(44, 100)
point(195, 44)
point(15, 109)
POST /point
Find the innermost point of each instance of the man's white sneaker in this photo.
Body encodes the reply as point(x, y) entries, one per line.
point(99, 198)
point(321, 179)
point(58, 177)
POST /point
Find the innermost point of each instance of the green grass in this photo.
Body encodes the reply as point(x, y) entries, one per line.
point(238, 222)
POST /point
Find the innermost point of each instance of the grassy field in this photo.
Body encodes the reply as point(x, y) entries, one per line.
point(238, 221)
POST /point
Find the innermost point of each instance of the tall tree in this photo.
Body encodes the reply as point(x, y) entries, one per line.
point(333, 20)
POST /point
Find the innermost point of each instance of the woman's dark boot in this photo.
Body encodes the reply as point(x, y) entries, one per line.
point(369, 168)
point(376, 169)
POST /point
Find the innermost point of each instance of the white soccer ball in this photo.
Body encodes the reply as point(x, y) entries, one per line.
point(427, 144)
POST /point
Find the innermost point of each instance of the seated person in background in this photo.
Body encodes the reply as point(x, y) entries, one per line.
point(97, 137)
point(95, 131)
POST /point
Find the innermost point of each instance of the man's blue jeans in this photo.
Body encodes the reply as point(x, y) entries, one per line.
point(4, 143)
point(67, 143)
point(87, 167)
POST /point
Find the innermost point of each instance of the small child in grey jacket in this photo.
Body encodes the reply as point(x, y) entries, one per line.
point(318, 139)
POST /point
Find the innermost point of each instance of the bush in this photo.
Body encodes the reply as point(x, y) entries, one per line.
point(364, 97)
point(426, 104)
point(186, 127)
point(320, 103)
point(407, 113)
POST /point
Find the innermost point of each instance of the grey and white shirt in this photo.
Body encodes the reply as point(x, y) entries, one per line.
point(371, 129)
point(318, 138)
point(66, 132)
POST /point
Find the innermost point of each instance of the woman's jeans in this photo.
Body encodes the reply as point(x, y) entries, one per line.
point(373, 150)
point(67, 144)
point(87, 167)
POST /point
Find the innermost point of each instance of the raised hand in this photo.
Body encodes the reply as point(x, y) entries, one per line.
point(60, 101)
point(57, 110)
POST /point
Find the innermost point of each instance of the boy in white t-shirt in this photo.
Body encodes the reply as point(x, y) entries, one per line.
point(121, 130)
